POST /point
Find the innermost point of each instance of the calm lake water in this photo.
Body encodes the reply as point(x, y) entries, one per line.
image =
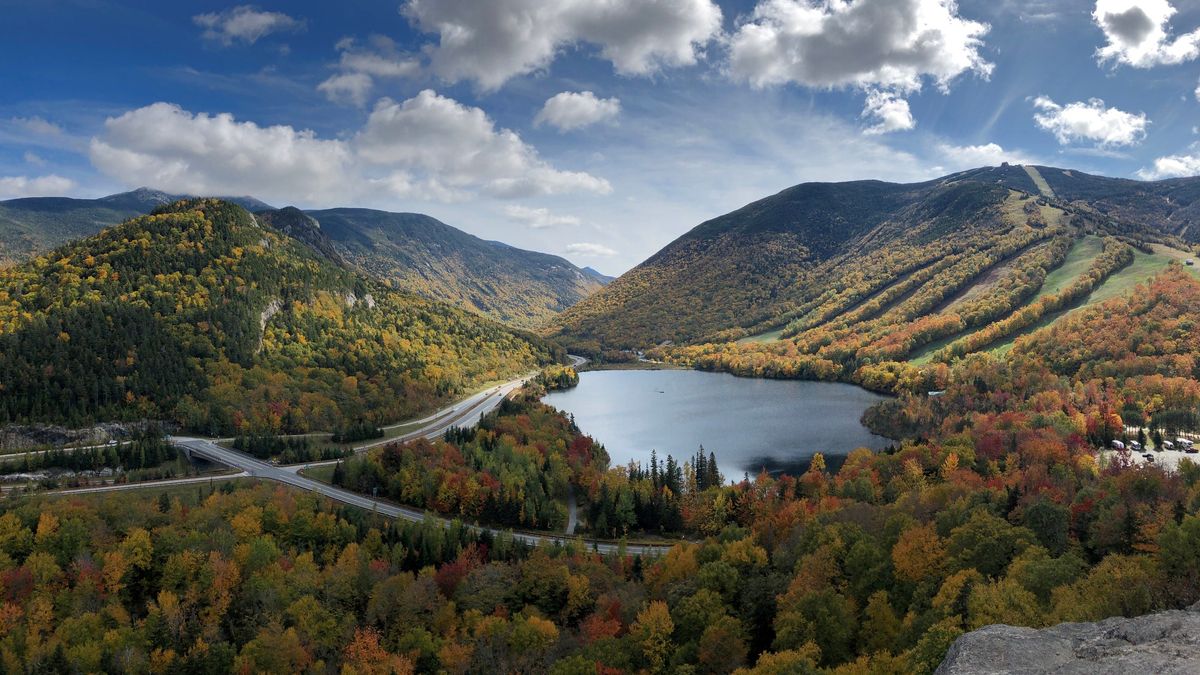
point(750, 424)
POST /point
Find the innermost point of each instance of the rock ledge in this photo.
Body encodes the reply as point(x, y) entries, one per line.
point(1167, 642)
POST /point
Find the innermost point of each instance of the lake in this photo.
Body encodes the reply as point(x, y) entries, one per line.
point(750, 424)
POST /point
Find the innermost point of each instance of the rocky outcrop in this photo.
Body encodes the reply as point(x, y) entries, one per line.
point(300, 226)
point(1167, 642)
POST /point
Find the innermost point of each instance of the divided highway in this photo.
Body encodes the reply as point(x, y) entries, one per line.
point(463, 414)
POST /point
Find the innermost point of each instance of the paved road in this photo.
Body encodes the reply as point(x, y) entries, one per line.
point(463, 414)
point(290, 476)
point(168, 482)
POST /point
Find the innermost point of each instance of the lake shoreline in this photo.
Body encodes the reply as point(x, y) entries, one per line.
point(751, 424)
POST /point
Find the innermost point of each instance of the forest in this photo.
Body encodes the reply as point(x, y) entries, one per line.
point(198, 315)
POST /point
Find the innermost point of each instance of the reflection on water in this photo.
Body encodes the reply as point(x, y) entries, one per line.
point(750, 424)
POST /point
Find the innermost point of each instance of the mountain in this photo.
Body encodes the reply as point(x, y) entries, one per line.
point(200, 314)
point(425, 256)
point(416, 252)
point(864, 272)
point(34, 225)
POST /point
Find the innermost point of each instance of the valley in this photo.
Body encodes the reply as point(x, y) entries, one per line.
point(1011, 336)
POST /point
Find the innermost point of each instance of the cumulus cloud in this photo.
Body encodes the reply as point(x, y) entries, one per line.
point(575, 110)
point(347, 88)
point(1089, 121)
point(1138, 34)
point(40, 186)
point(890, 112)
point(889, 44)
point(458, 147)
point(244, 23)
point(490, 41)
point(586, 249)
point(428, 147)
point(957, 157)
point(1172, 166)
point(360, 65)
point(537, 218)
point(169, 148)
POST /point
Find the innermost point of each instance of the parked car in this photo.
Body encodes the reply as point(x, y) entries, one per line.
point(1167, 445)
point(1118, 445)
point(1148, 456)
point(1134, 445)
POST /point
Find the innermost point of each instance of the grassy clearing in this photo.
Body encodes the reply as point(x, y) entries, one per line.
point(1079, 259)
point(769, 336)
point(1039, 181)
point(319, 473)
point(1144, 267)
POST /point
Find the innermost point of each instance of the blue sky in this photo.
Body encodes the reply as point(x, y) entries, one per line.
point(596, 133)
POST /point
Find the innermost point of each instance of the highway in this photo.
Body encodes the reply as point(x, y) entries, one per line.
point(465, 413)
point(289, 475)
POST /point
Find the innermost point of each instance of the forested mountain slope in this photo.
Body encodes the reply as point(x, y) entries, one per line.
point(34, 225)
point(423, 255)
point(413, 251)
point(199, 314)
point(877, 270)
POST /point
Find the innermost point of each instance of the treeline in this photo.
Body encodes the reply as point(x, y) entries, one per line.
point(288, 450)
point(1116, 255)
point(557, 377)
point(146, 450)
point(515, 468)
point(357, 432)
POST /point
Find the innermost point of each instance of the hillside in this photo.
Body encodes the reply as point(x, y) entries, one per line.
point(824, 279)
point(415, 252)
point(199, 314)
point(34, 225)
point(425, 256)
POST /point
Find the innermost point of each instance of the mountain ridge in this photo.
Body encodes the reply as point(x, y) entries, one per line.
point(808, 253)
point(447, 264)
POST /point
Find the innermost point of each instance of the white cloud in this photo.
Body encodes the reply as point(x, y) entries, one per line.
point(169, 148)
point(1138, 34)
point(34, 159)
point(893, 44)
point(889, 111)
point(360, 65)
point(538, 218)
point(959, 157)
point(1172, 166)
point(490, 41)
point(244, 23)
point(41, 186)
point(1089, 121)
point(347, 88)
point(379, 58)
point(585, 249)
point(429, 147)
point(36, 125)
point(575, 110)
point(458, 147)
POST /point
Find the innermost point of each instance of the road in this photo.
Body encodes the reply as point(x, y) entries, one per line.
point(289, 475)
point(466, 413)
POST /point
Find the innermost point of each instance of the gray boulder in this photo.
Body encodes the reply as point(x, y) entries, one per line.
point(1167, 642)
